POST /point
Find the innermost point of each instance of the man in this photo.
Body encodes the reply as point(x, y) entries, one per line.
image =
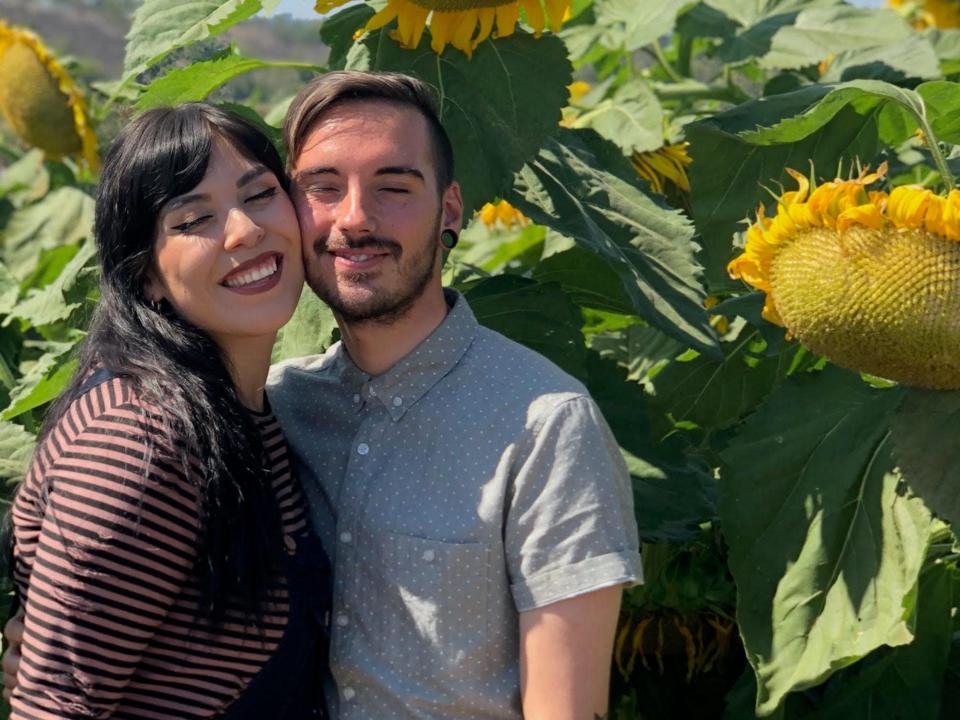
point(471, 497)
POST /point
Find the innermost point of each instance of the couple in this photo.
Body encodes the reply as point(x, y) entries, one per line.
point(469, 496)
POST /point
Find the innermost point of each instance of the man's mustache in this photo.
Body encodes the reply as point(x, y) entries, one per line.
point(323, 245)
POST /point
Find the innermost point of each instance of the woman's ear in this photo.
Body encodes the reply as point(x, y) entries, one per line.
point(153, 288)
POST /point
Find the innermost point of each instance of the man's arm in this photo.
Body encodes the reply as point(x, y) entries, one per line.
point(565, 656)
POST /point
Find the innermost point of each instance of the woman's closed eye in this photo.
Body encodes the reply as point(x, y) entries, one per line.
point(263, 195)
point(192, 224)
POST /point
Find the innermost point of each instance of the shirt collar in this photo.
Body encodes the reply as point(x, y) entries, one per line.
point(399, 388)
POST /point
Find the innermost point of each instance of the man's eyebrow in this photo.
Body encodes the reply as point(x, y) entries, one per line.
point(318, 170)
point(400, 170)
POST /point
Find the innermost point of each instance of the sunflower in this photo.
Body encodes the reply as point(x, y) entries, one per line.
point(502, 213)
point(666, 164)
point(868, 279)
point(930, 13)
point(39, 100)
point(461, 23)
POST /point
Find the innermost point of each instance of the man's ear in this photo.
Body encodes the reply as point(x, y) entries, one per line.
point(452, 206)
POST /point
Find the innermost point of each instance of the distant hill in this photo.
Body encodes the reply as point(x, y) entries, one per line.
point(93, 32)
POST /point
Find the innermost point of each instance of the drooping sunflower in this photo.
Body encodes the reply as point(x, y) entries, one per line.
point(868, 279)
point(39, 100)
point(461, 23)
point(666, 164)
point(930, 13)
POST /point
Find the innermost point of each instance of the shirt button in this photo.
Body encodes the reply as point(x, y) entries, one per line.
point(342, 620)
point(356, 397)
point(373, 393)
point(349, 693)
point(290, 544)
point(363, 449)
point(429, 555)
point(397, 401)
point(345, 537)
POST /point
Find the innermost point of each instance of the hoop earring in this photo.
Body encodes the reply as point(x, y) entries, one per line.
point(449, 239)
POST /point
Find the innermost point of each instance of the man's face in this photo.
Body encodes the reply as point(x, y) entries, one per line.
point(364, 187)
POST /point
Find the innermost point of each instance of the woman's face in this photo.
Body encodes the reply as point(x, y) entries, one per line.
point(228, 255)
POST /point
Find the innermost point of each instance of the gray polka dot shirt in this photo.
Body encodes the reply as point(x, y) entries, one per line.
point(472, 481)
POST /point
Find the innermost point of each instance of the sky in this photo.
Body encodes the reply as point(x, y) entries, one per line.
point(304, 8)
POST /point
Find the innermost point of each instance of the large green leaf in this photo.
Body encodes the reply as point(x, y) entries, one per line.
point(16, 448)
point(161, 26)
point(734, 160)
point(825, 548)
point(308, 332)
point(905, 681)
point(913, 57)
point(582, 187)
point(926, 451)
point(588, 278)
point(337, 32)
point(498, 106)
point(194, 82)
point(674, 492)
point(751, 12)
point(713, 393)
point(25, 180)
point(631, 118)
point(62, 217)
point(818, 32)
point(538, 315)
point(44, 381)
point(628, 25)
point(58, 300)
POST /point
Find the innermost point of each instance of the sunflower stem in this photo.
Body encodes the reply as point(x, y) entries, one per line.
point(930, 138)
point(665, 64)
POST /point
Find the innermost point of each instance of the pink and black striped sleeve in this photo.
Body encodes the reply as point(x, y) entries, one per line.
point(114, 548)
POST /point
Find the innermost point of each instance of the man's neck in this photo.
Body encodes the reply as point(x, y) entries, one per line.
point(375, 347)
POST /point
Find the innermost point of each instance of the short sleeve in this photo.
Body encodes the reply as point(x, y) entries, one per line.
point(570, 527)
point(115, 548)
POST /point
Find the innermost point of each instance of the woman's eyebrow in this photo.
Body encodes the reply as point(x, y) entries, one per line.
point(181, 200)
point(251, 175)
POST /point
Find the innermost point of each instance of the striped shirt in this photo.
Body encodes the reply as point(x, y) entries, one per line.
point(106, 535)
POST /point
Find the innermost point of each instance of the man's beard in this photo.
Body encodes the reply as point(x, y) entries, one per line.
point(383, 306)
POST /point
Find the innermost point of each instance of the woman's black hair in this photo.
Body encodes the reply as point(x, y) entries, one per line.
point(173, 365)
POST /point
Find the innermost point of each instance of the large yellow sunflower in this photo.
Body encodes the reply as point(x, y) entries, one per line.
point(39, 100)
point(461, 23)
point(869, 279)
point(930, 13)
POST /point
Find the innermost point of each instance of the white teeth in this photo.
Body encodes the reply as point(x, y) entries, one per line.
point(358, 258)
point(265, 270)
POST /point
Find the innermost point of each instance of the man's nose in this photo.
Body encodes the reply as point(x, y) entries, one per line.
point(241, 230)
point(356, 216)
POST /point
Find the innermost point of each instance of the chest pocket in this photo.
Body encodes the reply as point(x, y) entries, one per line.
point(436, 603)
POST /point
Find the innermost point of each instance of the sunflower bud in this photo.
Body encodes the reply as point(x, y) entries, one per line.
point(38, 99)
point(868, 279)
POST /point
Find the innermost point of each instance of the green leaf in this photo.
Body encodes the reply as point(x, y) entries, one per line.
point(45, 380)
point(825, 549)
point(337, 32)
point(498, 106)
point(733, 160)
point(194, 82)
point(534, 314)
point(673, 492)
point(628, 25)
point(925, 450)
point(821, 31)
point(161, 26)
point(55, 302)
point(581, 186)
point(642, 350)
point(906, 681)
point(308, 332)
point(25, 180)
point(714, 394)
point(496, 249)
point(631, 118)
point(748, 14)
point(16, 449)
point(587, 278)
point(63, 217)
point(898, 62)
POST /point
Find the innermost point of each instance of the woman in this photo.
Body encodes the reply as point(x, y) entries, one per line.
point(162, 551)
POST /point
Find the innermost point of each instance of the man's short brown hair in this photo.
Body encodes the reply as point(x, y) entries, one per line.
point(332, 88)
